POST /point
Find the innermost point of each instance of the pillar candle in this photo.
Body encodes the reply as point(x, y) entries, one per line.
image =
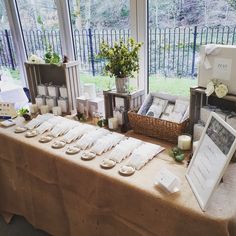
point(184, 142)
point(63, 103)
point(44, 109)
point(51, 102)
point(195, 144)
point(40, 100)
point(33, 108)
point(197, 131)
point(113, 123)
point(56, 111)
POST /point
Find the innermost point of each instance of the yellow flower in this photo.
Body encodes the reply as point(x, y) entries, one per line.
point(221, 90)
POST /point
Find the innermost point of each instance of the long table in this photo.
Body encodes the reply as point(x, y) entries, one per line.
point(65, 195)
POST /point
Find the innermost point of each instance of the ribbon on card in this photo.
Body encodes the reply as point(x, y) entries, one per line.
point(210, 49)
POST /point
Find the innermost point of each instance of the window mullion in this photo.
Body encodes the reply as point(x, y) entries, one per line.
point(65, 29)
point(138, 25)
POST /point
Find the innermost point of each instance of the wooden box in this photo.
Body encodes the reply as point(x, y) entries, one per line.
point(131, 101)
point(67, 74)
point(198, 99)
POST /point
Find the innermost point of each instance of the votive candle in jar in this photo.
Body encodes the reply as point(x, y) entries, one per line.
point(184, 142)
point(63, 104)
point(51, 102)
point(56, 111)
point(33, 108)
point(40, 100)
point(44, 109)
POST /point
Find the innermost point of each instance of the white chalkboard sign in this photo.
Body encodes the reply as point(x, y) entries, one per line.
point(211, 158)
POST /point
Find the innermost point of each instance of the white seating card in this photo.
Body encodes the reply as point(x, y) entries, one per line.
point(89, 139)
point(106, 143)
point(143, 154)
point(168, 181)
point(124, 149)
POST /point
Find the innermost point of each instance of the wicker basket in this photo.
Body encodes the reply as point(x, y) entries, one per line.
point(157, 128)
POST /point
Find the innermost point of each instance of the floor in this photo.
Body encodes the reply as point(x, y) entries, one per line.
point(19, 227)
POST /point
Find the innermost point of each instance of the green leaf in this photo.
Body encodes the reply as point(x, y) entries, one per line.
point(179, 157)
point(22, 111)
point(99, 123)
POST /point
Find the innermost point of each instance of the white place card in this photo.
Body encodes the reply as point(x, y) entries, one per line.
point(211, 158)
point(168, 181)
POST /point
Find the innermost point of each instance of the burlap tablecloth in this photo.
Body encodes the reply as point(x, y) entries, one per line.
point(65, 195)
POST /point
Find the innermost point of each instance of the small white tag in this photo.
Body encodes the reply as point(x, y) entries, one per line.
point(168, 181)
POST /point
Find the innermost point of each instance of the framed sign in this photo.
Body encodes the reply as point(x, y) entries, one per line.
point(211, 158)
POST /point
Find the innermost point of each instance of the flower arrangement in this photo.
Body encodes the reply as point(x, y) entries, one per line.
point(122, 58)
point(219, 88)
point(50, 57)
point(24, 112)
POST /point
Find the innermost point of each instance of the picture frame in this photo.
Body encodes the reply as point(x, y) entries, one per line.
point(211, 158)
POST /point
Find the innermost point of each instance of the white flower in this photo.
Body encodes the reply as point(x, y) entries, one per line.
point(221, 90)
point(210, 89)
point(35, 59)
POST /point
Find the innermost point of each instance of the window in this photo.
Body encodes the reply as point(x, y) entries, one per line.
point(171, 51)
point(39, 21)
point(9, 73)
point(177, 29)
point(92, 23)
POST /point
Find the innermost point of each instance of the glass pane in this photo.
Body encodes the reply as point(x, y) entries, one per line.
point(40, 26)
point(9, 73)
point(177, 29)
point(94, 22)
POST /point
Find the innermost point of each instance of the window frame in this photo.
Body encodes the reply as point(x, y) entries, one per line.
point(138, 25)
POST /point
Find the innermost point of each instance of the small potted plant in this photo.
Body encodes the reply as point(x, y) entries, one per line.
point(122, 61)
point(24, 113)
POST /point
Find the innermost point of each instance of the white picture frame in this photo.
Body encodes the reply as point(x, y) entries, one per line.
point(211, 158)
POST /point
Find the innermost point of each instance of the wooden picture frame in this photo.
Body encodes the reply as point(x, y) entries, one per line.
point(211, 158)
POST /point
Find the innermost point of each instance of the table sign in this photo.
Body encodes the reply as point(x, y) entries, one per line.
point(7, 110)
point(211, 158)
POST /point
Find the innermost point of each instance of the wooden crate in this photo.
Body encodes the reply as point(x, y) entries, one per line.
point(132, 101)
point(67, 74)
point(198, 99)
